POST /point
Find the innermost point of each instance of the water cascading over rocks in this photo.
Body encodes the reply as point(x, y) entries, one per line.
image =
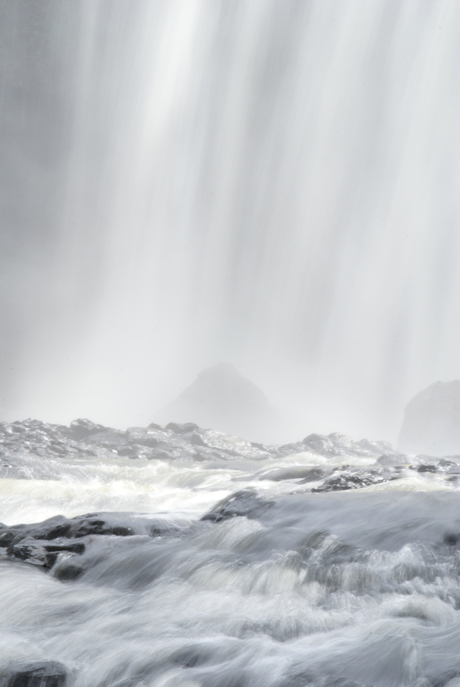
point(186, 556)
point(273, 183)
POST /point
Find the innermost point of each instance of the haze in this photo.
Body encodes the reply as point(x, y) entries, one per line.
point(269, 183)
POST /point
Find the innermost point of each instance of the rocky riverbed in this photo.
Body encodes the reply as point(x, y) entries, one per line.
point(179, 556)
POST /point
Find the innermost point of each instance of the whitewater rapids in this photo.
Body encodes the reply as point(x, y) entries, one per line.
point(221, 563)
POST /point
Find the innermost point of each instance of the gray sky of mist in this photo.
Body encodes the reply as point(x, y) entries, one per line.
point(272, 183)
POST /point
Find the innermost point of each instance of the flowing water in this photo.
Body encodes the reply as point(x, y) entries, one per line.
point(210, 561)
point(270, 183)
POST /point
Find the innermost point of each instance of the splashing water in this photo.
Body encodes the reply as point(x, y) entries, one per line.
point(212, 560)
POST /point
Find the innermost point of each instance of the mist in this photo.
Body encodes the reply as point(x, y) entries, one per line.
point(272, 184)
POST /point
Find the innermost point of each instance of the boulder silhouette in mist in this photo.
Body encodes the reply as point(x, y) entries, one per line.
point(432, 420)
point(221, 398)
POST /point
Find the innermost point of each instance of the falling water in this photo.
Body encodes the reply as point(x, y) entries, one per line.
point(272, 184)
point(267, 183)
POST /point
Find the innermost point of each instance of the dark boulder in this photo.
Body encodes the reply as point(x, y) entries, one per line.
point(355, 480)
point(426, 468)
point(39, 674)
point(182, 428)
point(43, 553)
point(68, 569)
point(61, 527)
point(304, 474)
point(41, 544)
point(57, 542)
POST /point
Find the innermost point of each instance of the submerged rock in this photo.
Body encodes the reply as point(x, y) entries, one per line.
point(38, 674)
point(305, 474)
point(43, 553)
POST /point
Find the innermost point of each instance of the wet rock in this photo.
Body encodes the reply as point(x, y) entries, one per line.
point(451, 538)
point(356, 480)
point(160, 528)
point(322, 445)
point(22, 442)
point(43, 553)
point(82, 429)
point(242, 503)
point(182, 428)
point(313, 475)
point(58, 542)
point(305, 474)
point(40, 674)
point(67, 569)
point(41, 544)
point(128, 452)
point(336, 444)
point(426, 468)
point(218, 445)
point(73, 528)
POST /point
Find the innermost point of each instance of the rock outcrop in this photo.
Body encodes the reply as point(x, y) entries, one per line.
point(38, 674)
point(432, 421)
point(223, 399)
point(66, 547)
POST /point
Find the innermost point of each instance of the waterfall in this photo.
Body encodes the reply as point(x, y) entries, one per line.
point(270, 183)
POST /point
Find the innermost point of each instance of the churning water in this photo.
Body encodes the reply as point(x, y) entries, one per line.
point(188, 557)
